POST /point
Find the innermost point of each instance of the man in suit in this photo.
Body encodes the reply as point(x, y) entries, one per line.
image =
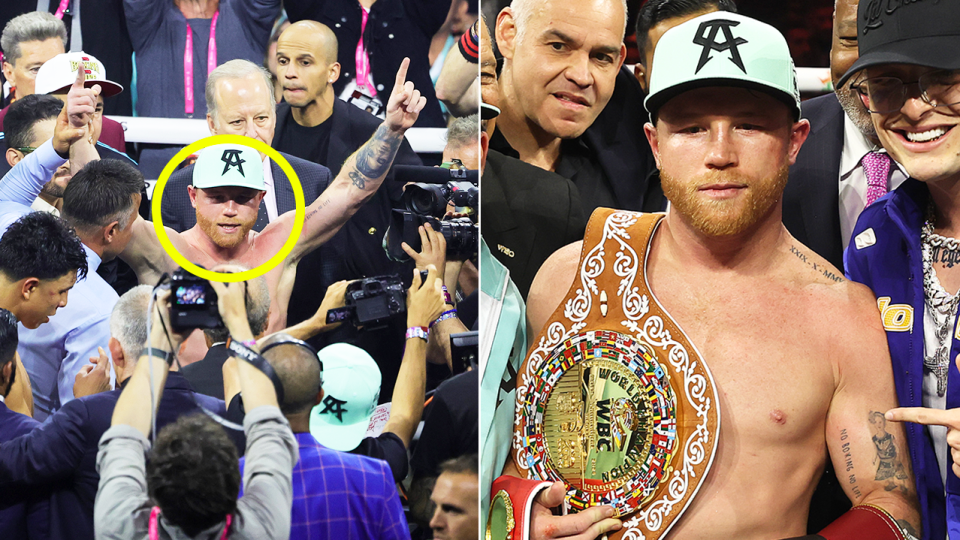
point(528, 213)
point(240, 102)
point(567, 106)
point(26, 519)
point(829, 184)
point(314, 125)
point(60, 455)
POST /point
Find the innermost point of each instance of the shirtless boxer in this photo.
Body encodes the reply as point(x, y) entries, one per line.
point(223, 231)
point(796, 352)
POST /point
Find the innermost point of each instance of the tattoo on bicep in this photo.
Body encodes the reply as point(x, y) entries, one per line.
point(374, 158)
point(908, 527)
point(848, 464)
point(319, 207)
point(819, 268)
point(890, 470)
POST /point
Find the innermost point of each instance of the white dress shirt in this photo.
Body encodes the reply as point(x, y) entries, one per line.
point(853, 181)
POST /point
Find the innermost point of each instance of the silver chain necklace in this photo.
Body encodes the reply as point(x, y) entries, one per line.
point(940, 303)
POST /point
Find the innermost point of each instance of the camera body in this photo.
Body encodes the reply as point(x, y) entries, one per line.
point(425, 198)
point(193, 302)
point(371, 302)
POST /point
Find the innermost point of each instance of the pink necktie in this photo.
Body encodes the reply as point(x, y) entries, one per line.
point(877, 167)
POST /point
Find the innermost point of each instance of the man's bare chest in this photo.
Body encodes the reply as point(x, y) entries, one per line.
point(771, 365)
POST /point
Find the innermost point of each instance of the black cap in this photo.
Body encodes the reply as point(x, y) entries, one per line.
point(918, 32)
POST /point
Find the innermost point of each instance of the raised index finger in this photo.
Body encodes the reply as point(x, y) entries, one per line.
point(81, 77)
point(402, 73)
point(922, 415)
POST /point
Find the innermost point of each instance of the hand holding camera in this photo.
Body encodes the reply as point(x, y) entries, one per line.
point(424, 303)
point(433, 250)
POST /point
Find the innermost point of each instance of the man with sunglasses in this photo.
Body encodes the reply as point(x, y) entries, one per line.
point(904, 247)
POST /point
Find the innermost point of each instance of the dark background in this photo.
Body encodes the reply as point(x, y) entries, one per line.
point(805, 23)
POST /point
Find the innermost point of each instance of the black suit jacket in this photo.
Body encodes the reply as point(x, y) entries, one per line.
point(811, 200)
point(316, 270)
point(61, 454)
point(206, 376)
point(622, 148)
point(528, 213)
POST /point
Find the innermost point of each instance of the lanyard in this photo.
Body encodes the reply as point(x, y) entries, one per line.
point(61, 9)
point(154, 534)
point(188, 62)
point(363, 61)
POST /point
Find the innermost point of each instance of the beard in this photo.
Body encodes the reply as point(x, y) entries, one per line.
point(855, 111)
point(55, 188)
point(221, 239)
point(724, 217)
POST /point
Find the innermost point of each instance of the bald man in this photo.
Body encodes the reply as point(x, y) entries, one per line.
point(314, 125)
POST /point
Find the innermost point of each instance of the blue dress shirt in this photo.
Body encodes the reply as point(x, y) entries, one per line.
point(58, 349)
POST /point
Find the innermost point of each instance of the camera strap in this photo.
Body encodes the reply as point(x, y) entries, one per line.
point(245, 353)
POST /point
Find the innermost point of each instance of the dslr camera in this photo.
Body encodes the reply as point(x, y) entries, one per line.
point(371, 302)
point(425, 200)
point(193, 302)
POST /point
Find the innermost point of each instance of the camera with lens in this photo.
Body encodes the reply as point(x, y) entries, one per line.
point(371, 302)
point(193, 302)
point(426, 196)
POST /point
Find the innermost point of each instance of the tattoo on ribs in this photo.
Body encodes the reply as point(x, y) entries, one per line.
point(374, 158)
point(819, 268)
point(890, 470)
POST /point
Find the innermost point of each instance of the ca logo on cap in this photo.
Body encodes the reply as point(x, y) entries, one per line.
point(332, 405)
point(231, 158)
point(709, 42)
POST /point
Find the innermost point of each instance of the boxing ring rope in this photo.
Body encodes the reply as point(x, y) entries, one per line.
point(183, 131)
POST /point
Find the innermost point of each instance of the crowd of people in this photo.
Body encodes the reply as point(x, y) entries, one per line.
point(321, 397)
point(778, 275)
point(771, 242)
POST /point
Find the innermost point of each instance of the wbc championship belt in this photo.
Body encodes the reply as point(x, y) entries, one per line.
point(613, 399)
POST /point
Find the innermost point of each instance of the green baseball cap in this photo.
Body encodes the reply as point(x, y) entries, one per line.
point(722, 49)
point(229, 165)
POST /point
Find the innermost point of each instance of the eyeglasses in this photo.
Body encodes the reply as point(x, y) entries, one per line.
point(883, 95)
point(26, 149)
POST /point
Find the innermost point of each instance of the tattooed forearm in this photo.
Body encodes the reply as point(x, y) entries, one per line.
point(375, 157)
point(825, 271)
point(890, 471)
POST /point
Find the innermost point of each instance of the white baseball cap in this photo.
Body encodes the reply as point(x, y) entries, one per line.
point(722, 49)
point(229, 165)
point(59, 73)
point(351, 387)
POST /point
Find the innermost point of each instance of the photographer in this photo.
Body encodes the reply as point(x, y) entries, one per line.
point(193, 475)
point(341, 390)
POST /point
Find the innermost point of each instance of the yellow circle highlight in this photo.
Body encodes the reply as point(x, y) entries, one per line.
point(210, 274)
